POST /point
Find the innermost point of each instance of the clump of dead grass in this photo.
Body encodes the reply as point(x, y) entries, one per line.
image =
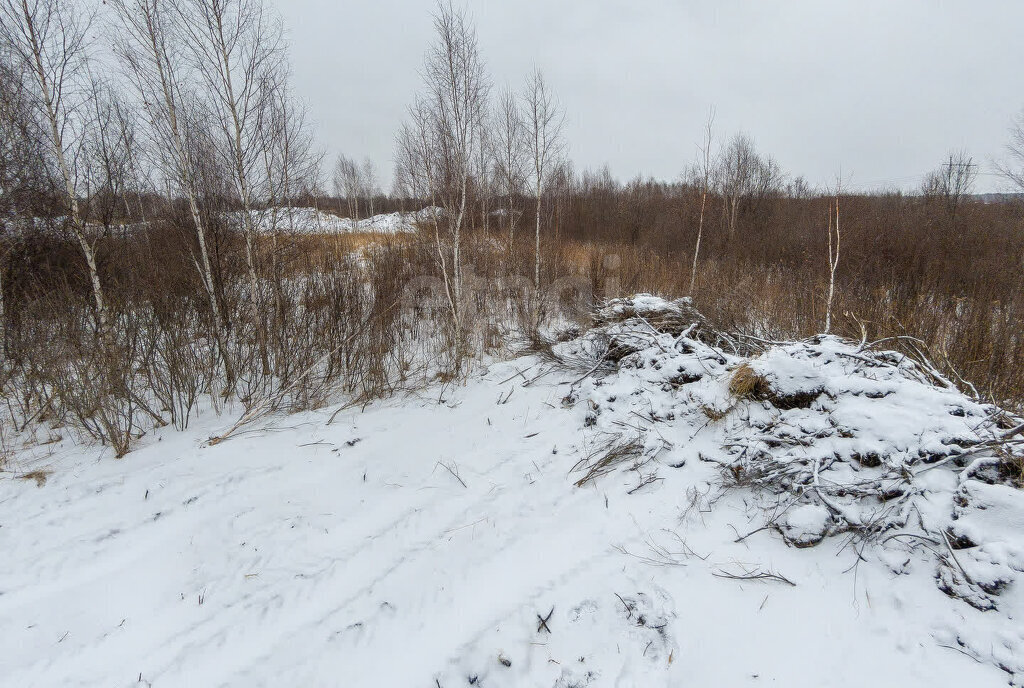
point(608, 457)
point(747, 384)
point(714, 413)
point(1012, 466)
point(39, 476)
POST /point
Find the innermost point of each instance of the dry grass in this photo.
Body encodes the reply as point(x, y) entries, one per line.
point(1013, 465)
point(747, 384)
point(976, 336)
point(713, 413)
point(907, 267)
point(302, 253)
point(608, 457)
point(39, 476)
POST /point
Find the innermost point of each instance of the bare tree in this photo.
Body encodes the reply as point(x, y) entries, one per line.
point(798, 188)
point(443, 134)
point(370, 187)
point(290, 156)
point(560, 187)
point(833, 256)
point(22, 170)
point(235, 46)
point(419, 160)
point(767, 179)
point(1013, 170)
point(510, 154)
point(415, 156)
point(105, 168)
point(544, 121)
point(401, 184)
point(137, 180)
point(953, 181)
point(48, 40)
point(291, 164)
point(483, 170)
point(703, 176)
point(736, 172)
point(21, 139)
point(348, 183)
point(147, 45)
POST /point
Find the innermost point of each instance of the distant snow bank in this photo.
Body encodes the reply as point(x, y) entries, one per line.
point(315, 221)
point(304, 220)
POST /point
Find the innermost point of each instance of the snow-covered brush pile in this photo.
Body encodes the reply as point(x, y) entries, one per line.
point(833, 438)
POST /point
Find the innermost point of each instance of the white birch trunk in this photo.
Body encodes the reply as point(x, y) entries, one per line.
point(57, 140)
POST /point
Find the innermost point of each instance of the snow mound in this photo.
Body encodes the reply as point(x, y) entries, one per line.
point(986, 555)
point(315, 221)
point(806, 525)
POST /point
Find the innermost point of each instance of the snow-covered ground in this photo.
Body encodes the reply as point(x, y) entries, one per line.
point(314, 221)
point(419, 543)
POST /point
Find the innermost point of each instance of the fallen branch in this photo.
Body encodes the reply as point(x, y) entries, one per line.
point(454, 471)
point(754, 575)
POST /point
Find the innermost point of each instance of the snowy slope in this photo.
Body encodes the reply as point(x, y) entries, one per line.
point(420, 544)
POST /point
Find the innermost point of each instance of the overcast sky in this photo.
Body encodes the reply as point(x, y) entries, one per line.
point(881, 89)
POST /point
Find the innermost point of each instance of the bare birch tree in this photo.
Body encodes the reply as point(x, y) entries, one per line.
point(137, 180)
point(47, 39)
point(419, 160)
point(445, 131)
point(483, 173)
point(509, 150)
point(369, 186)
point(148, 47)
point(291, 158)
point(235, 45)
point(414, 155)
point(291, 163)
point(105, 166)
point(348, 183)
point(544, 121)
point(833, 256)
point(703, 176)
